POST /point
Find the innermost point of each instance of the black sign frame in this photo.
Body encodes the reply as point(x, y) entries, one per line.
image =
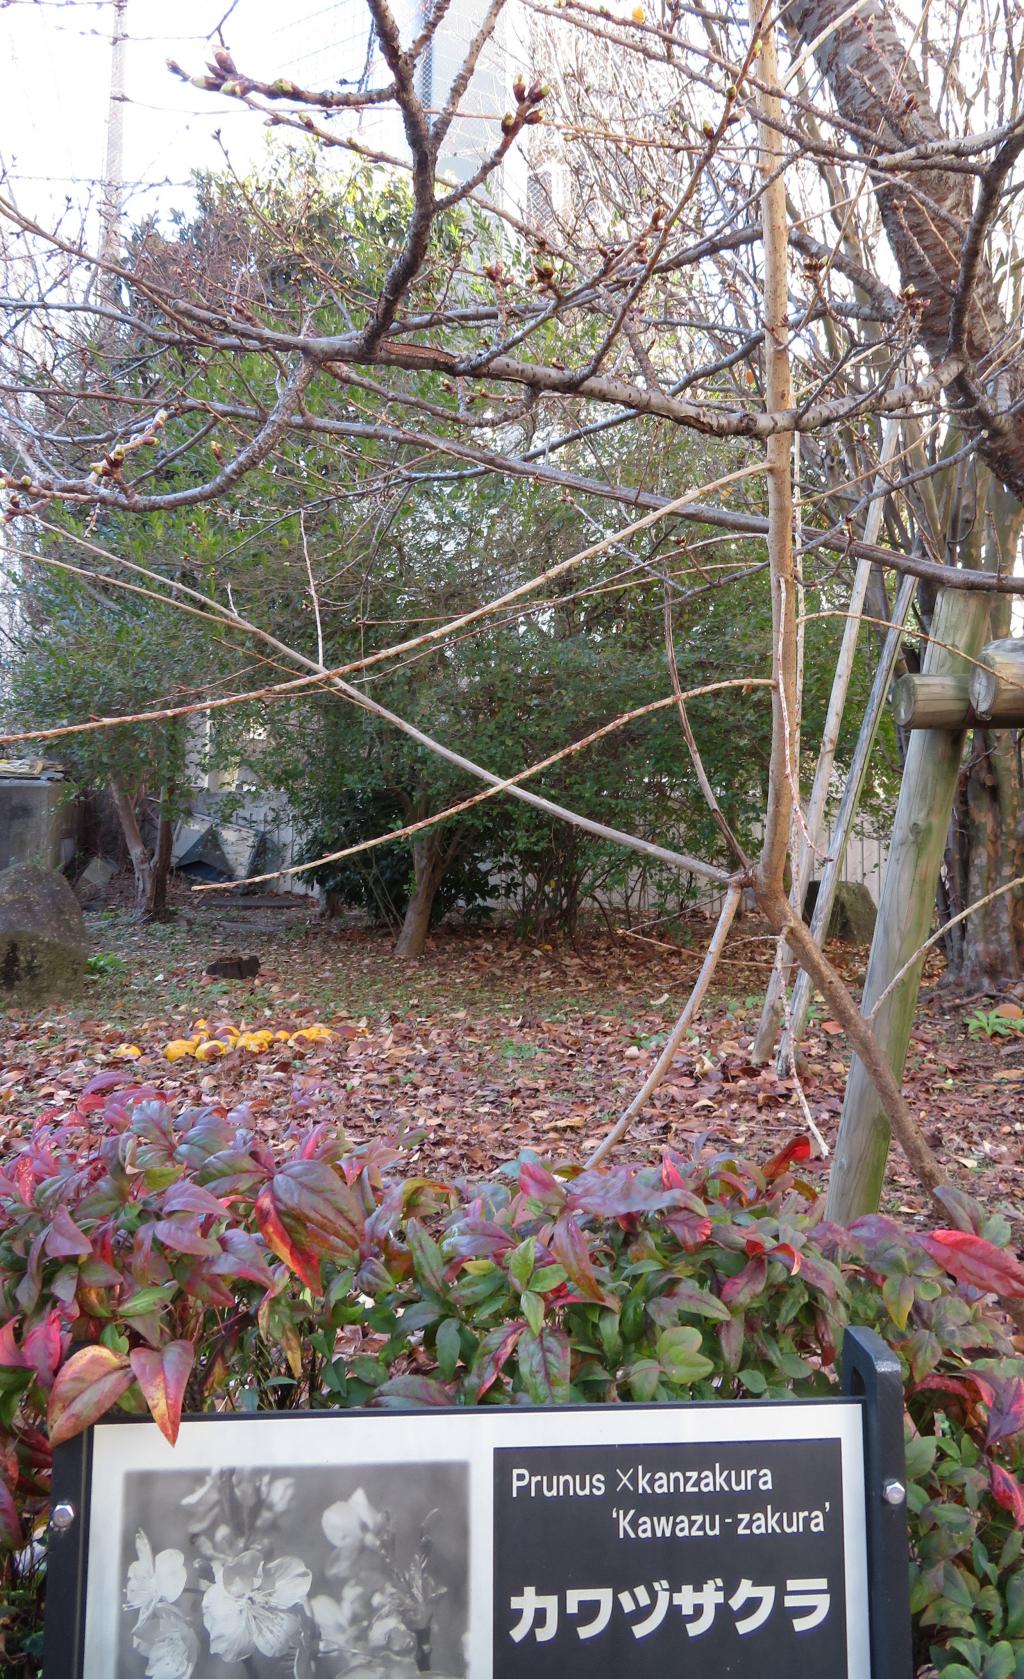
point(871, 1380)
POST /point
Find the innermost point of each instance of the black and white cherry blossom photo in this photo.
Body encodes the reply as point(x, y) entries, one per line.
point(352, 1573)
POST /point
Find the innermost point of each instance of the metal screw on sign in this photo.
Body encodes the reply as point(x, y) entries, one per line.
point(894, 1492)
point(62, 1517)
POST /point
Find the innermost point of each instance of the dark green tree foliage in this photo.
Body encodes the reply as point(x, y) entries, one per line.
point(511, 691)
point(89, 651)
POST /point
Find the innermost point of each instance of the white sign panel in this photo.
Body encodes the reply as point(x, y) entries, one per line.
point(483, 1544)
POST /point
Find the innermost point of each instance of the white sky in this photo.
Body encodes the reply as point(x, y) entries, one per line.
point(55, 77)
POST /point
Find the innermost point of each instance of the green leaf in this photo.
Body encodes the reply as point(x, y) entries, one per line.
point(426, 1256)
point(146, 1300)
point(548, 1277)
point(368, 1370)
point(1000, 1661)
point(643, 1376)
point(544, 1365)
point(753, 1380)
point(680, 1356)
point(521, 1262)
point(688, 1297)
point(1015, 1605)
point(448, 1347)
point(920, 1455)
point(533, 1310)
point(898, 1294)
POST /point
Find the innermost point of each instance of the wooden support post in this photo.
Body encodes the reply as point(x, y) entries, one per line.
point(997, 692)
point(906, 909)
point(933, 702)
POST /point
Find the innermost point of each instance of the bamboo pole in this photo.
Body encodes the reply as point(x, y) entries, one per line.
point(771, 1012)
point(832, 872)
point(905, 912)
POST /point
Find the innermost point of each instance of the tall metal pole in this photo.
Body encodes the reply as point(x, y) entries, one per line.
point(112, 205)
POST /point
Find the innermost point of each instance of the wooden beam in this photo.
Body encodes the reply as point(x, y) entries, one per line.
point(905, 911)
point(933, 702)
point(997, 692)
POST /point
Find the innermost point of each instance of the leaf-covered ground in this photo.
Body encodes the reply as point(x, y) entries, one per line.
point(489, 1045)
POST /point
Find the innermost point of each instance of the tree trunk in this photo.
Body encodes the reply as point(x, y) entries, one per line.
point(142, 863)
point(157, 907)
point(430, 859)
point(986, 843)
point(876, 85)
point(152, 871)
point(988, 955)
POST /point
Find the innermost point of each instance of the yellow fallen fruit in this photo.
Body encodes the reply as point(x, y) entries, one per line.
point(180, 1047)
point(255, 1042)
point(312, 1035)
point(126, 1052)
point(211, 1050)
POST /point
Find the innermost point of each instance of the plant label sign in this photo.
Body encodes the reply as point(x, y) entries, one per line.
point(728, 1539)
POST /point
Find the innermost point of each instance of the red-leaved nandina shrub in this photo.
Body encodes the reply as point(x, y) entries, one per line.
point(167, 1262)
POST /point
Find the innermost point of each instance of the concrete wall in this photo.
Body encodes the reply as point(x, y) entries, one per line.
point(38, 822)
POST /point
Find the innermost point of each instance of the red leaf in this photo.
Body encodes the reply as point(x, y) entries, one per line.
point(323, 1213)
point(479, 1238)
point(303, 1261)
point(537, 1182)
point(42, 1348)
point(104, 1082)
point(183, 1235)
point(1006, 1416)
point(163, 1376)
point(747, 1284)
point(691, 1230)
point(671, 1175)
point(12, 1535)
point(188, 1197)
point(974, 1261)
point(798, 1148)
point(11, 1355)
point(968, 1386)
point(64, 1239)
point(411, 1393)
point(1007, 1491)
point(788, 1255)
point(91, 1381)
point(569, 1248)
point(242, 1257)
point(616, 1193)
point(819, 1273)
point(494, 1350)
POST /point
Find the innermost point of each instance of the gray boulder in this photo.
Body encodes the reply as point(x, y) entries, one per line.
point(43, 942)
point(853, 912)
